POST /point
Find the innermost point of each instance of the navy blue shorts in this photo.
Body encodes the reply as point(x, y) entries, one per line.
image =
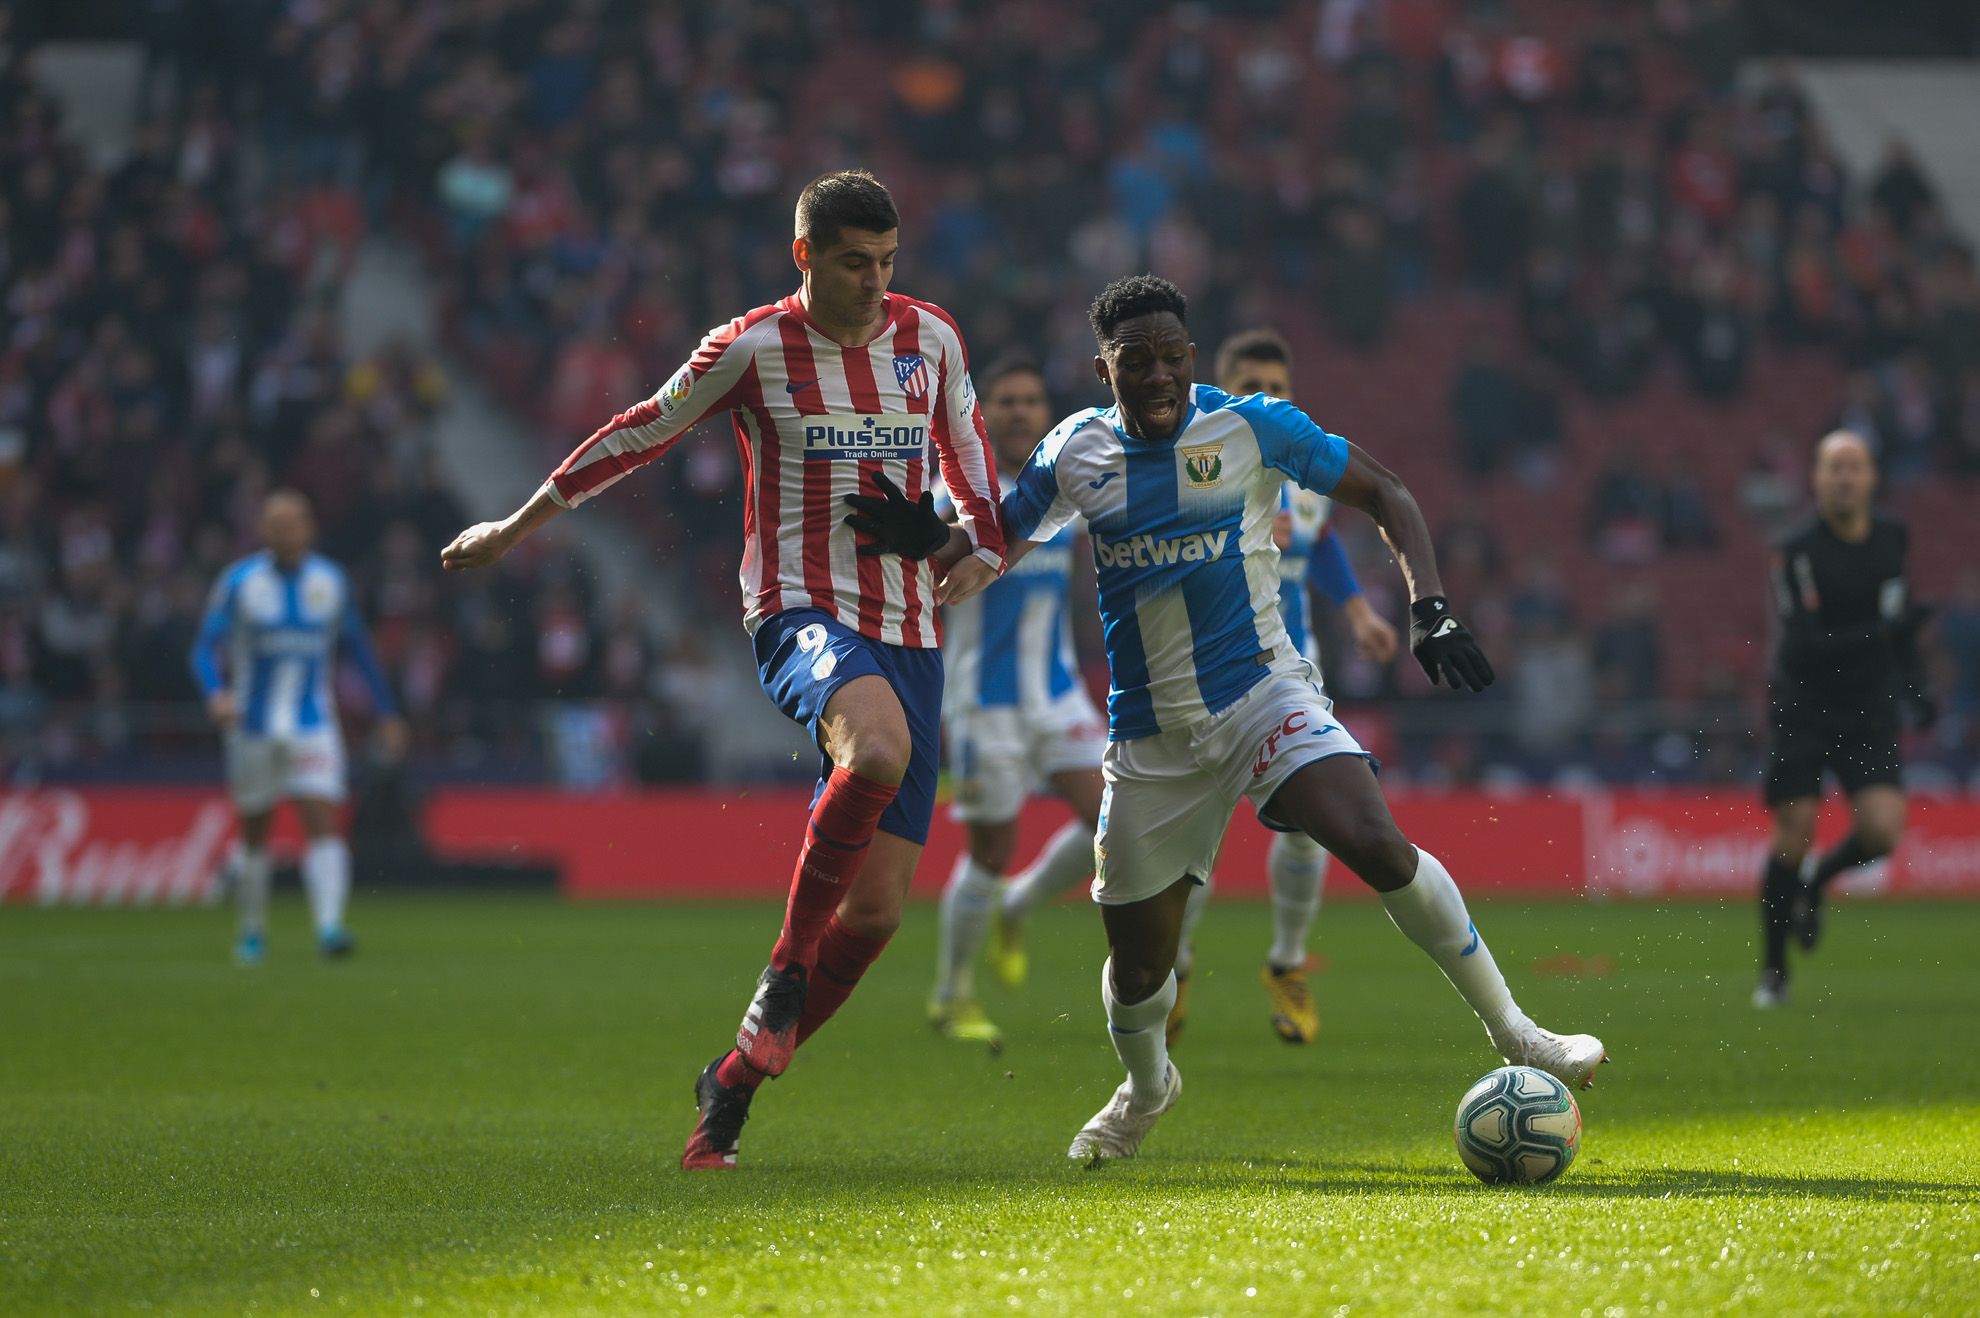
point(804, 655)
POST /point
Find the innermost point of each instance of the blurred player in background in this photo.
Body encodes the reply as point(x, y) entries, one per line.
point(1210, 702)
point(1018, 720)
point(1846, 670)
point(837, 393)
point(266, 660)
point(1260, 362)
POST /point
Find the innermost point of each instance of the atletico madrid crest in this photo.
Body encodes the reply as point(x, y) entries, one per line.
point(911, 374)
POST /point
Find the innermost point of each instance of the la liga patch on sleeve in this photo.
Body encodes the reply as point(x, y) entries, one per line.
point(677, 391)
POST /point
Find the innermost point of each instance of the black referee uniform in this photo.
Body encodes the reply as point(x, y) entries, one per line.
point(1845, 660)
point(1839, 670)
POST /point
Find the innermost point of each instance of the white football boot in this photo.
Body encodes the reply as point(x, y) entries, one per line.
point(1771, 991)
point(1117, 1130)
point(1569, 1058)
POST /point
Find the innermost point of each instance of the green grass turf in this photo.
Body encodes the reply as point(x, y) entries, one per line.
point(481, 1115)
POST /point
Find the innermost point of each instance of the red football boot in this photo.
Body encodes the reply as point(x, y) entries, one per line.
point(712, 1147)
point(768, 1035)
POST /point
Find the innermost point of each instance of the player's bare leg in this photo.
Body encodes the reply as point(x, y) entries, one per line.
point(252, 877)
point(1337, 803)
point(1876, 825)
point(1138, 986)
point(1780, 891)
point(326, 872)
point(1065, 859)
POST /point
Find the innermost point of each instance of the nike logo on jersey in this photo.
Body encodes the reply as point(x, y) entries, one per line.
point(795, 387)
point(1474, 942)
point(1105, 476)
point(1444, 628)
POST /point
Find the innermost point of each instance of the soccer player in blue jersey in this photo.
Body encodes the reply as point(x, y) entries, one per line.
point(1017, 720)
point(1259, 361)
point(266, 657)
point(1210, 702)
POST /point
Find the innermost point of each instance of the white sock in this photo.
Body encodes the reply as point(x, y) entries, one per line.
point(1199, 898)
point(1065, 860)
point(1297, 866)
point(251, 875)
point(327, 875)
point(1139, 1032)
point(964, 915)
point(1430, 912)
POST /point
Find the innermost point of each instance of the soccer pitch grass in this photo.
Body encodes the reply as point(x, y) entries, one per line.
point(482, 1113)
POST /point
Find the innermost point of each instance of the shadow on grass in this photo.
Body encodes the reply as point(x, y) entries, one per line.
point(895, 1184)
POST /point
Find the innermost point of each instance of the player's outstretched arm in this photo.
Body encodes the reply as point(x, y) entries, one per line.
point(1443, 645)
point(486, 543)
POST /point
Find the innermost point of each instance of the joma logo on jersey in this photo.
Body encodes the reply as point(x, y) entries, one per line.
point(1203, 464)
point(1147, 551)
point(875, 438)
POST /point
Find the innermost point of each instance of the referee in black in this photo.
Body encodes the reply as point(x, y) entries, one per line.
point(1845, 668)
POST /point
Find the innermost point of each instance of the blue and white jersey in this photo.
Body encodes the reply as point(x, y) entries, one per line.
point(1182, 545)
point(1309, 513)
point(1010, 644)
point(276, 635)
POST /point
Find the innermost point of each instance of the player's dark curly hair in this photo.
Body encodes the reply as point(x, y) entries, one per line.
point(1131, 296)
point(844, 199)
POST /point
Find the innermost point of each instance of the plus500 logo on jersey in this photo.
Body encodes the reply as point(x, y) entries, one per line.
point(1147, 551)
point(875, 438)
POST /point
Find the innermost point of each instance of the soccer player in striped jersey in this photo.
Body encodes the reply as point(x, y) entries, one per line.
point(1260, 362)
point(265, 657)
point(1018, 719)
point(1210, 703)
point(841, 394)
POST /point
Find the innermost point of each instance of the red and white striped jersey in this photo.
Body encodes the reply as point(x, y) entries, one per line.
point(816, 421)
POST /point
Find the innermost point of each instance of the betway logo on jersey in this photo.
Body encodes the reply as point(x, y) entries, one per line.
point(874, 438)
point(1147, 551)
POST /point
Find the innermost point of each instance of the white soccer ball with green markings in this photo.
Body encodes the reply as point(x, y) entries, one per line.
point(1518, 1126)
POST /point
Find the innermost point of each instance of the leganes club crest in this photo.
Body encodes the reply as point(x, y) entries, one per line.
point(1203, 464)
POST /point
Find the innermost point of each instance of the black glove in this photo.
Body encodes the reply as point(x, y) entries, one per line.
point(1445, 647)
point(912, 530)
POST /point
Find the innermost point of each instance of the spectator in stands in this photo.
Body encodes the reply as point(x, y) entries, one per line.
point(1485, 403)
point(1626, 520)
point(1627, 653)
point(1711, 332)
point(1959, 637)
point(1492, 210)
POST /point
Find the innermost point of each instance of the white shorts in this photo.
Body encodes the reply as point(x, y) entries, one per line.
point(264, 771)
point(1170, 796)
point(998, 756)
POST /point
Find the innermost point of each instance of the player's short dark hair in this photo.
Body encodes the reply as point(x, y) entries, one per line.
point(1015, 362)
point(1131, 296)
point(844, 199)
point(1252, 345)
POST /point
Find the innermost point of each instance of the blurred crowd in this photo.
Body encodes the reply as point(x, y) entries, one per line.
point(595, 182)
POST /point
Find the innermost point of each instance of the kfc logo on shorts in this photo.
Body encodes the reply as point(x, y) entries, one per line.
point(1270, 746)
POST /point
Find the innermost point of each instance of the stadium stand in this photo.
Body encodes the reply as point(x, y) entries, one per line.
point(1541, 256)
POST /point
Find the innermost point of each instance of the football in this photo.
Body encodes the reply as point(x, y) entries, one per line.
point(1517, 1126)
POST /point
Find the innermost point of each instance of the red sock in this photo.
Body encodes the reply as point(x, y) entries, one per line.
point(735, 1073)
point(842, 824)
point(843, 957)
